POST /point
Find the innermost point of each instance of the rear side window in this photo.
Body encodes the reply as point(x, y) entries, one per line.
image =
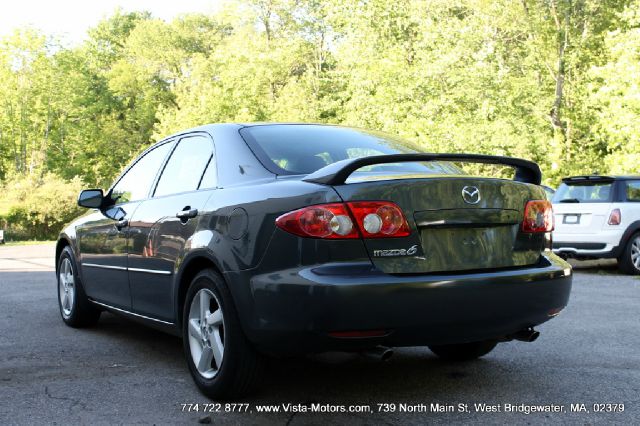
point(289, 149)
point(210, 177)
point(633, 191)
point(588, 192)
point(184, 169)
point(136, 183)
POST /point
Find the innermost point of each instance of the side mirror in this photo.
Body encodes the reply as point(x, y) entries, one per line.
point(91, 198)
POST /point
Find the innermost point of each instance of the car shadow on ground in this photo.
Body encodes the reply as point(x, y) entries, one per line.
point(336, 377)
point(154, 345)
point(310, 380)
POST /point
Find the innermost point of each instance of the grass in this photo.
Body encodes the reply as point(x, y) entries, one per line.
point(26, 243)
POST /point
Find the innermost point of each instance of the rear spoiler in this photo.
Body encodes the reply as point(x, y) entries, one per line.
point(590, 178)
point(338, 172)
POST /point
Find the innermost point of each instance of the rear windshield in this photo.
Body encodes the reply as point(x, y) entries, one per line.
point(290, 149)
point(588, 192)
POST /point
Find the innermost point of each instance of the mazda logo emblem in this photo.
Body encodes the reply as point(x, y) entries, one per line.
point(471, 195)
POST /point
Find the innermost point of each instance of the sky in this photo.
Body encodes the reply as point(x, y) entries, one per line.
point(70, 19)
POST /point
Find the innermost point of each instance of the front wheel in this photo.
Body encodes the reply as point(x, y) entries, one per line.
point(75, 308)
point(464, 351)
point(221, 361)
point(629, 260)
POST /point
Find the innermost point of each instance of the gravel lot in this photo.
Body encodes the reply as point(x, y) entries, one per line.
point(121, 372)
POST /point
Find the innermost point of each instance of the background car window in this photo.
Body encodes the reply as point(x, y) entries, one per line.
point(633, 191)
point(584, 193)
point(186, 166)
point(136, 183)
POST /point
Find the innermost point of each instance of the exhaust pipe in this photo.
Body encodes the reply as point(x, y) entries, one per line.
point(526, 335)
point(380, 353)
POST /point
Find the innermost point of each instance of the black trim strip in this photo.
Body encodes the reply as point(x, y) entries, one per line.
point(113, 308)
point(580, 246)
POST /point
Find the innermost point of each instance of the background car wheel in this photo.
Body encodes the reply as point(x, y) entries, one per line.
point(464, 351)
point(629, 261)
point(75, 308)
point(221, 360)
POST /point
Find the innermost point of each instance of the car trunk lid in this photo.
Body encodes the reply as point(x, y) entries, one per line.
point(582, 204)
point(458, 223)
point(580, 218)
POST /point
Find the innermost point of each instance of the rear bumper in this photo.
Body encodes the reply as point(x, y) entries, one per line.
point(605, 244)
point(293, 311)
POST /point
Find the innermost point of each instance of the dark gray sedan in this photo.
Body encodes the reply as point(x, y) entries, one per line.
point(279, 239)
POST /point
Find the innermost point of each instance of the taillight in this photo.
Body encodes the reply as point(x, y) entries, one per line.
point(321, 221)
point(373, 219)
point(538, 216)
point(379, 219)
point(615, 217)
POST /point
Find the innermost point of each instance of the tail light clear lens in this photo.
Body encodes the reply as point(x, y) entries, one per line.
point(373, 219)
point(538, 217)
point(615, 217)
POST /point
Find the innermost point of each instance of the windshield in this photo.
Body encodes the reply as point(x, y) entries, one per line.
point(584, 193)
point(293, 149)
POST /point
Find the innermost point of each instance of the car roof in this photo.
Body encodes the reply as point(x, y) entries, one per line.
point(216, 127)
point(596, 178)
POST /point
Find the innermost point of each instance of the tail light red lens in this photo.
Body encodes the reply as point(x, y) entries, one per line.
point(615, 218)
point(373, 219)
point(322, 221)
point(538, 217)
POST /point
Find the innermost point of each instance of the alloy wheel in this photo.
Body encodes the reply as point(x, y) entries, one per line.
point(635, 252)
point(206, 333)
point(66, 287)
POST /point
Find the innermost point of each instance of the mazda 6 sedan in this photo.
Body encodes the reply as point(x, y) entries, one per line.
point(255, 240)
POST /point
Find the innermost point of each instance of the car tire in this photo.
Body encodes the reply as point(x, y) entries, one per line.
point(629, 260)
point(221, 360)
point(464, 351)
point(75, 308)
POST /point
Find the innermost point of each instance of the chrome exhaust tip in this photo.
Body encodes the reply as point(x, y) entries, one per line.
point(380, 353)
point(526, 335)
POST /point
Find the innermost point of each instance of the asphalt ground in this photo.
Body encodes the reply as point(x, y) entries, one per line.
point(122, 372)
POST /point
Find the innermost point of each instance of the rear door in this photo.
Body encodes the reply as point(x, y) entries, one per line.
point(163, 224)
point(458, 223)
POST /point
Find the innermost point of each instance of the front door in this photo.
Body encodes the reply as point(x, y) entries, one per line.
point(103, 237)
point(103, 243)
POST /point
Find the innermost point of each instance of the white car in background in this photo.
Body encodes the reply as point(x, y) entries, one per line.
point(599, 217)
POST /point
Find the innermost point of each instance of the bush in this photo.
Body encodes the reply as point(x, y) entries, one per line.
point(38, 207)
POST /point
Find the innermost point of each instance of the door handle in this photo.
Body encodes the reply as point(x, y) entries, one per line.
point(122, 223)
point(186, 214)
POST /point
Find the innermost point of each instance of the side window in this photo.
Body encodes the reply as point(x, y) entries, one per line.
point(210, 177)
point(185, 167)
point(633, 190)
point(136, 183)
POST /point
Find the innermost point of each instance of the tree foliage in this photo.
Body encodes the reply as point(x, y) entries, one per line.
point(38, 207)
point(555, 81)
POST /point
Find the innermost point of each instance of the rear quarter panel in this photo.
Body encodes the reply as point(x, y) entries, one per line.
point(239, 222)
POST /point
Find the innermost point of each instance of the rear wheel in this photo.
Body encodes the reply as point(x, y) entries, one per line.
point(221, 361)
point(75, 308)
point(464, 351)
point(629, 261)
